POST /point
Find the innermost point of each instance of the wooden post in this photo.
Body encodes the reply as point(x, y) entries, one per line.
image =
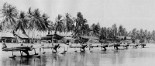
point(52, 43)
point(12, 53)
point(21, 53)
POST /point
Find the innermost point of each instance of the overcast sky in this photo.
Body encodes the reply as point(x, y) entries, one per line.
point(129, 13)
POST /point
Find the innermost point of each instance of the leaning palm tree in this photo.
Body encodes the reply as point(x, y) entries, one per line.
point(22, 23)
point(37, 22)
point(49, 24)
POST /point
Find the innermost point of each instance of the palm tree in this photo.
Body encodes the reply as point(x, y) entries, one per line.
point(22, 23)
point(122, 31)
point(103, 33)
point(69, 23)
point(133, 33)
point(114, 30)
point(50, 27)
point(49, 24)
point(59, 24)
point(1, 27)
point(80, 24)
point(153, 34)
point(85, 29)
point(108, 32)
point(96, 29)
point(37, 22)
point(12, 20)
point(9, 14)
point(92, 29)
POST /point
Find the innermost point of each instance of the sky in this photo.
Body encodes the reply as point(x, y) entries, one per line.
point(129, 13)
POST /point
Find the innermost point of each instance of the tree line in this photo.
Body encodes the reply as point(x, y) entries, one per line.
point(14, 20)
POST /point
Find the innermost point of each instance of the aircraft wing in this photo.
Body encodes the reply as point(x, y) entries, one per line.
point(17, 49)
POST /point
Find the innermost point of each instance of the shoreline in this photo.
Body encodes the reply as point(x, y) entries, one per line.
point(70, 50)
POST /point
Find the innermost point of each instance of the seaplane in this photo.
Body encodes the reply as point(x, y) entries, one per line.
point(50, 38)
point(22, 49)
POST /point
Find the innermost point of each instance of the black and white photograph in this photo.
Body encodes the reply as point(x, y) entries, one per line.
point(77, 32)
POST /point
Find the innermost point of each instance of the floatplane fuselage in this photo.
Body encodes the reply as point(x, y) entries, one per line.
point(22, 50)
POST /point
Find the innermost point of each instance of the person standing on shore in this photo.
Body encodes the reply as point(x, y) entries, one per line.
point(90, 47)
point(75, 48)
point(67, 46)
point(4, 45)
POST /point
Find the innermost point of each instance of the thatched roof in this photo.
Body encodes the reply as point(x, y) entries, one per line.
point(90, 37)
point(49, 37)
point(124, 37)
point(81, 40)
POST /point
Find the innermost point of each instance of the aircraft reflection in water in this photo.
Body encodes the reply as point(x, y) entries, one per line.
point(48, 60)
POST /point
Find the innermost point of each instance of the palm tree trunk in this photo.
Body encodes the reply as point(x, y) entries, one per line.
point(33, 36)
point(55, 31)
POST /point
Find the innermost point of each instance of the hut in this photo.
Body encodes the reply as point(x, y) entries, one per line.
point(8, 37)
point(50, 37)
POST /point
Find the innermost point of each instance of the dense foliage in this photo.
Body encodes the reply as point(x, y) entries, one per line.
point(34, 20)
